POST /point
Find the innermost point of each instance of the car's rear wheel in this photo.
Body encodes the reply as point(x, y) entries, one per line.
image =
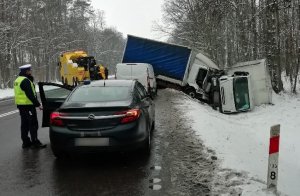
point(58, 153)
point(147, 145)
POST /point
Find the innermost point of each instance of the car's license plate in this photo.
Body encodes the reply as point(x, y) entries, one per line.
point(91, 141)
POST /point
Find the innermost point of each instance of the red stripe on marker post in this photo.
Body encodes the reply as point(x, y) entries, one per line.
point(274, 145)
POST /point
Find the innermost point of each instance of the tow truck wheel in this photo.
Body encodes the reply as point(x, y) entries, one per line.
point(74, 82)
point(191, 92)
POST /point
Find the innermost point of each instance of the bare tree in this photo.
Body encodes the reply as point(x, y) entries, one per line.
point(230, 31)
point(37, 32)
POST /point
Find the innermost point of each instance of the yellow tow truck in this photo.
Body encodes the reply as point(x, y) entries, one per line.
point(76, 66)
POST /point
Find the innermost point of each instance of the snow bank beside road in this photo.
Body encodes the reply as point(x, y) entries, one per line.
point(9, 93)
point(241, 141)
point(6, 93)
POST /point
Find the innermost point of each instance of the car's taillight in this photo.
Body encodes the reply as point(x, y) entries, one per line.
point(130, 115)
point(55, 119)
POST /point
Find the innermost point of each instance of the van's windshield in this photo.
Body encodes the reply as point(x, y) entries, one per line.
point(241, 93)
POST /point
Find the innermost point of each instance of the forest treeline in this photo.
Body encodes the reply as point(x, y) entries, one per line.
point(231, 31)
point(228, 31)
point(37, 31)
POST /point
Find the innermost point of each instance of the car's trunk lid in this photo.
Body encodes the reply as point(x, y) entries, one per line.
point(91, 118)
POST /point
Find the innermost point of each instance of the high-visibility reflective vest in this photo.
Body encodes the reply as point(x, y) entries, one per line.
point(20, 96)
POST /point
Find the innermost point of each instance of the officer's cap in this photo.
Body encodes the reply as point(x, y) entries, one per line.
point(25, 67)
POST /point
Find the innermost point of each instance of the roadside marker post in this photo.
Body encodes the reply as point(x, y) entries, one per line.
point(273, 157)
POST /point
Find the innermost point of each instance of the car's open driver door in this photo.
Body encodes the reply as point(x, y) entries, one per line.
point(52, 96)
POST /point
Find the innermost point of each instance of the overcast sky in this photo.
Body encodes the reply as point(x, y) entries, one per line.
point(133, 17)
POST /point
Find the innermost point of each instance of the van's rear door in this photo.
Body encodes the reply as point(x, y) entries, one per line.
point(139, 72)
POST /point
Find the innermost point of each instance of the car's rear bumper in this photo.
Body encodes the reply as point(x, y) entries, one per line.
point(123, 137)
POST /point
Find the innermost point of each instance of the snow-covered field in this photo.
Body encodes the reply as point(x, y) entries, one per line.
point(241, 141)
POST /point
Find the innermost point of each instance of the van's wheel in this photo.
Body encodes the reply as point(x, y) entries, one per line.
point(191, 92)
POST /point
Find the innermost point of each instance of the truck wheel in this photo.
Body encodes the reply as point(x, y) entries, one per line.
point(216, 98)
point(66, 82)
point(191, 92)
point(62, 80)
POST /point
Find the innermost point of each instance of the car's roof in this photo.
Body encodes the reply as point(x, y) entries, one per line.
point(114, 83)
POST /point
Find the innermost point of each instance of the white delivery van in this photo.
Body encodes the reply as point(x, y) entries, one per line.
point(143, 72)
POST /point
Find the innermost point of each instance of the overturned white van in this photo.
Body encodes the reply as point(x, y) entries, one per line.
point(251, 88)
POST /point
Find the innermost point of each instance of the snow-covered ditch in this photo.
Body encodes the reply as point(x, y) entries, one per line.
point(241, 142)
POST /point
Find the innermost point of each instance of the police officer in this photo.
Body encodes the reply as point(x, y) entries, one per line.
point(26, 101)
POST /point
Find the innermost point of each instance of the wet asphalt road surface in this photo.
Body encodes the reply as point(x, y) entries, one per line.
point(173, 168)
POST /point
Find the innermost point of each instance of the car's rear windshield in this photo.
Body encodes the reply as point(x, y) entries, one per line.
point(99, 94)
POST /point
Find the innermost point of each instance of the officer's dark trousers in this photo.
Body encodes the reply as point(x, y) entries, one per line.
point(29, 123)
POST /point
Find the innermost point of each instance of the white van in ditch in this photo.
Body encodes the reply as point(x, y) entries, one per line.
point(142, 72)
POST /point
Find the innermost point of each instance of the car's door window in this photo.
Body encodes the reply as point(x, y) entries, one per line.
point(55, 92)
